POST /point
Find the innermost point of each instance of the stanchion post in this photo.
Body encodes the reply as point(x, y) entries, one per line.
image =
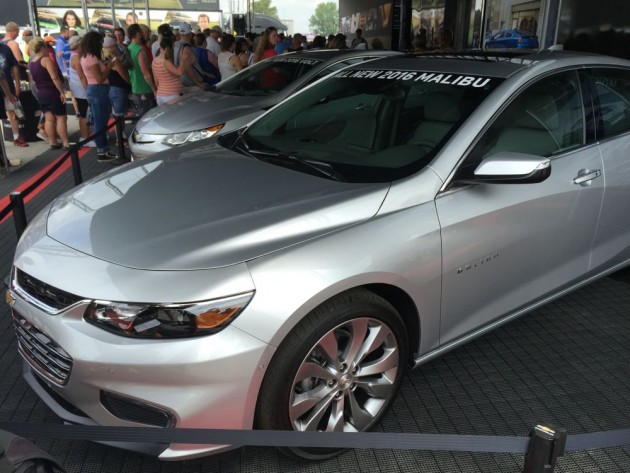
point(76, 166)
point(19, 212)
point(546, 445)
point(120, 123)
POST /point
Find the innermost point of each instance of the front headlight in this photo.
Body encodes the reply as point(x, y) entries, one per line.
point(177, 139)
point(166, 321)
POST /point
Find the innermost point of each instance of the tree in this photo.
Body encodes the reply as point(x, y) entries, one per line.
point(325, 20)
point(264, 7)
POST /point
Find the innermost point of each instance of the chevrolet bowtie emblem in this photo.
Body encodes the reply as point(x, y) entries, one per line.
point(10, 297)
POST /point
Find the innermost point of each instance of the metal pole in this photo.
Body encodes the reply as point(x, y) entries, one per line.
point(147, 12)
point(546, 445)
point(86, 17)
point(114, 24)
point(19, 212)
point(76, 166)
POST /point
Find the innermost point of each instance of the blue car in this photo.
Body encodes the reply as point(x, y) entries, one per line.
point(516, 39)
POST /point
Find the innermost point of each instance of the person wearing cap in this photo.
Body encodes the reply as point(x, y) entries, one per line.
point(62, 49)
point(142, 85)
point(77, 83)
point(212, 41)
point(183, 54)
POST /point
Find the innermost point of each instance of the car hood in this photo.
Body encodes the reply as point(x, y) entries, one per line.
point(197, 111)
point(204, 208)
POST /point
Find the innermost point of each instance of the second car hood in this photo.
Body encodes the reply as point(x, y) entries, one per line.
point(206, 208)
point(197, 111)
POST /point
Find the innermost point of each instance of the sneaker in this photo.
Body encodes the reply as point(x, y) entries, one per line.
point(89, 144)
point(106, 157)
point(21, 142)
point(42, 136)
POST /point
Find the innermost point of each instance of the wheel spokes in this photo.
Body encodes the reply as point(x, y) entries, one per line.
point(346, 379)
point(360, 417)
point(311, 421)
point(303, 402)
point(386, 362)
point(311, 369)
point(330, 347)
point(359, 329)
point(376, 387)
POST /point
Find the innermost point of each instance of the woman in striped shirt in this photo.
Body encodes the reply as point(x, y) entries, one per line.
point(166, 74)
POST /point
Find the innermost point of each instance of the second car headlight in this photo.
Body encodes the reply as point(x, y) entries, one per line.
point(166, 321)
point(177, 139)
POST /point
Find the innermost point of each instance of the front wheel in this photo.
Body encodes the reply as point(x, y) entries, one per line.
point(337, 371)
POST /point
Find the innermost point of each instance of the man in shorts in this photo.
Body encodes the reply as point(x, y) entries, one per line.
point(11, 70)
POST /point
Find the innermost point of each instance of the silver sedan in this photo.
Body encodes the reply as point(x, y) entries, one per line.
point(284, 275)
point(239, 99)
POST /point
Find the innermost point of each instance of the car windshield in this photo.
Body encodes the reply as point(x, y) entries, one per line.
point(369, 126)
point(267, 77)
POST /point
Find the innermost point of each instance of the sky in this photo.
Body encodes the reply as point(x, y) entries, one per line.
point(297, 10)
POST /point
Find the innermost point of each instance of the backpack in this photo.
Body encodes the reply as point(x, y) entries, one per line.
point(18, 455)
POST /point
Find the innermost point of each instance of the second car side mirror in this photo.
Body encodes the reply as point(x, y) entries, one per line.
point(512, 168)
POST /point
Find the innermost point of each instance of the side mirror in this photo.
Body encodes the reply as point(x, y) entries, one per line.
point(512, 168)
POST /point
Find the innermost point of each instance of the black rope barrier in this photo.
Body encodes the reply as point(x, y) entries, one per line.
point(542, 448)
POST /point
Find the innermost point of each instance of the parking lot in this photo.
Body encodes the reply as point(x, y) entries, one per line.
point(567, 364)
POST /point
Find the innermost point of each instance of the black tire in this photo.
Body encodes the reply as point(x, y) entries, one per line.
point(358, 316)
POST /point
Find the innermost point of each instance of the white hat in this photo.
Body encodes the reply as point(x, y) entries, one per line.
point(185, 28)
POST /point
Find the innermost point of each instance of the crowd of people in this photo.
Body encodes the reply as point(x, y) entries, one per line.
point(128, 71)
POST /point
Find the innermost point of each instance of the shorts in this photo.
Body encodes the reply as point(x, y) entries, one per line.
point(53, 106)
point(82, 106)
point(142, 103)
point(162, 99)
point(119, 99)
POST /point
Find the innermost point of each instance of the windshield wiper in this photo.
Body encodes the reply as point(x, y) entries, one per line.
point(320, 167)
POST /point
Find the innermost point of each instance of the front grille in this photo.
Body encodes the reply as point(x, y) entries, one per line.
point(135, 411)
point(44, 293)
point(41, 352)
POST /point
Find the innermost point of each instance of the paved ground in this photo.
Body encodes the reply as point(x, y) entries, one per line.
point(567, 363)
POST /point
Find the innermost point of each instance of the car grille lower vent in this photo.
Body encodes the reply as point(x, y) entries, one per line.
point(135, 411)
point(44, 293)
point(41, 352)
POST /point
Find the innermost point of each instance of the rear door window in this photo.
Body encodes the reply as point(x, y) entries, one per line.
point(611, 101)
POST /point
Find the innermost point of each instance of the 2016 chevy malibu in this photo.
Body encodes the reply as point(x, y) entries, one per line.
point(239, 99)
point(286, 274)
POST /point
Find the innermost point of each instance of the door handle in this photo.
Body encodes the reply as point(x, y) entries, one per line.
point(585, 176)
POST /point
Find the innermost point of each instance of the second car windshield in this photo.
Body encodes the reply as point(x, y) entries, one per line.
point(371, 126)
point(267, 77)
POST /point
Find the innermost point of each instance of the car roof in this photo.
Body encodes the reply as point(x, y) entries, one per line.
point(331, 54)
point(485, 63)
